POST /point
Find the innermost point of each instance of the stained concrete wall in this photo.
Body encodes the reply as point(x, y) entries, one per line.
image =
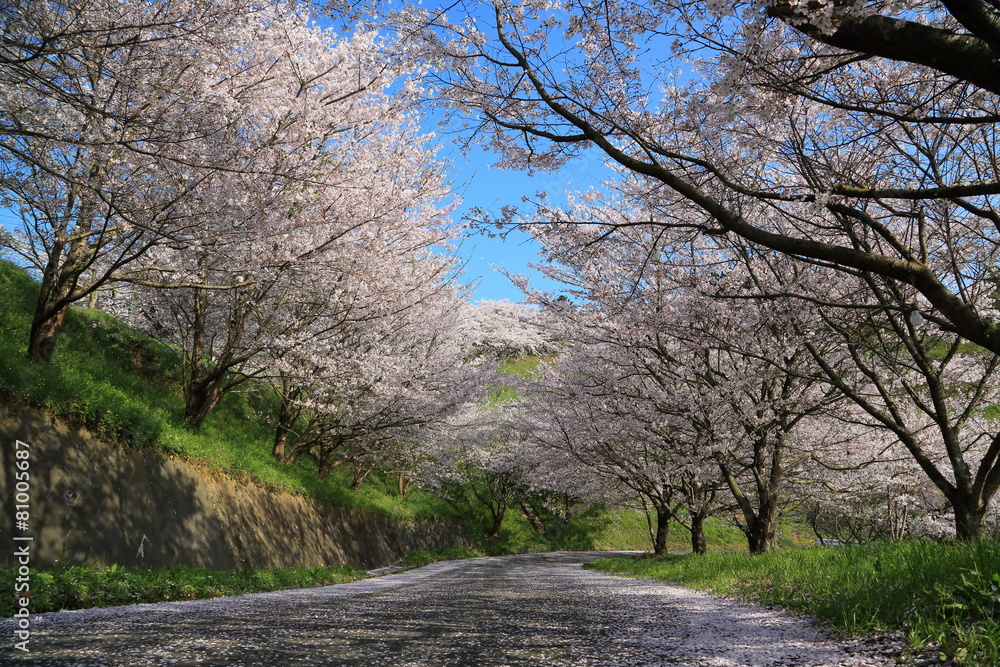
point(90, 500)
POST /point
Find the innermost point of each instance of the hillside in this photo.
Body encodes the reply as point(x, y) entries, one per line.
point(123, 387)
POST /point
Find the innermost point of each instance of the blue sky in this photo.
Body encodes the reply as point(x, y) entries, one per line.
point(480, 185)
point(483, 186)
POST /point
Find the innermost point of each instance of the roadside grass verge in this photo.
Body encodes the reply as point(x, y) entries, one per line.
point(86, 586)
point(595, 528)
point(945, 597)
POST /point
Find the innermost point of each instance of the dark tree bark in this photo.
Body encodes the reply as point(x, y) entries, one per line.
point(497, 522)
point(760, 522)
point(532, 516)
point(287, 414)
point(698, 544)
point(361, 472)
point(202, 397)
point(207, 379)
point(46, 324)
point(761, 529)
point(497, 491)
point(664, 513)
point(60, 279)
point(969, 519)
point(967, 57)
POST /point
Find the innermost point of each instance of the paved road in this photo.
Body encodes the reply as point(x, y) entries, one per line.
point(518, 610)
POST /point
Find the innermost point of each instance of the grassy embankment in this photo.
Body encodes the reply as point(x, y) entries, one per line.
point(944, 597)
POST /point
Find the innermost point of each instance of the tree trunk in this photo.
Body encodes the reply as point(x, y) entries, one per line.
point(361, 474)
point(968, 521)
point(663, 516)
point(60, 279)
point(197, 385)
point(698, 544)
point(760, 522)
point(325, 465)
point(280, 441)
point(206, 378)
point(497, 516)
point(532, 516)
point(50, 312)
point(286, 419)
point(761, 529)
point(202, 398)
point(300, 448)
point(44, 334)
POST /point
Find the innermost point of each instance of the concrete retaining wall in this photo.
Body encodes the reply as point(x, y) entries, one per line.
point(90, 500)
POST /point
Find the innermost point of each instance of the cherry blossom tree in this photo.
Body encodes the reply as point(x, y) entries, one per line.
point(488, 451)
point(335, 225)
point(481, 454)
point(760, 123)
point(376, 388)
point(872, 491)
point(52, 52)
point(572, 417)
point(715, 382)
point(776, 116)
point(929, 391)
point(504, 331)
point(111, 115)
point(560, 486)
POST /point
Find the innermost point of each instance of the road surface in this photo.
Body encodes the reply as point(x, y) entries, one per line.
point(540, 609)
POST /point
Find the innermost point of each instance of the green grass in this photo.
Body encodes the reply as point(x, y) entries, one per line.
point(720, 535)
point(82, 586)
point(525, 366)
point(945, 597)
point(597, 528)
